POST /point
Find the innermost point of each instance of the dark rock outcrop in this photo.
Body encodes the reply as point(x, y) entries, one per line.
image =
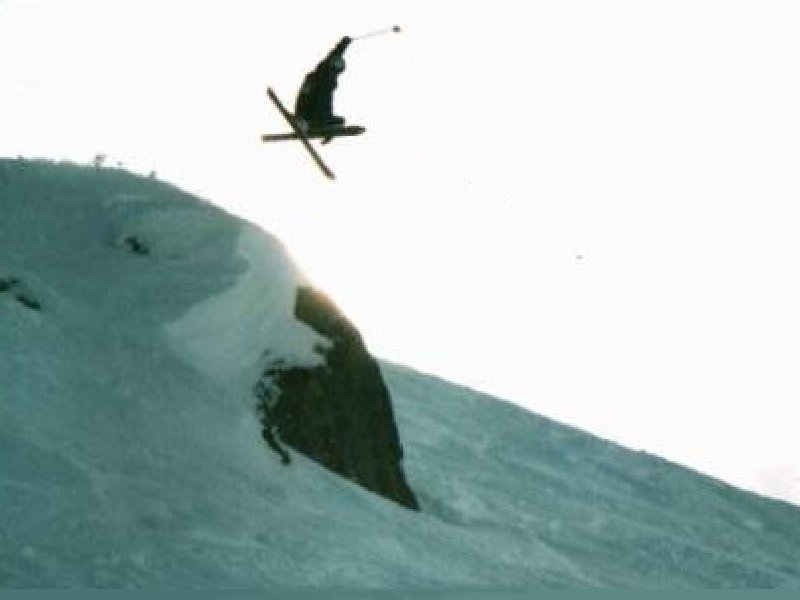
point(13, 286)
point(133, 244)
point(339, 414)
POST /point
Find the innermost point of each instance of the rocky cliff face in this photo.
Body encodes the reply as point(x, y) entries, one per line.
point(339, 414)
point(136, 262)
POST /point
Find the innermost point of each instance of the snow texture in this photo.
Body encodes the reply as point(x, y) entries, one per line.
point(131, 455)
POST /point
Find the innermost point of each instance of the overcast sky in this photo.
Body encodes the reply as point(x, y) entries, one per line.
point(585, 207)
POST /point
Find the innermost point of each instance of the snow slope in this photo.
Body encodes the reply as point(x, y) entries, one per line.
point(130, 450)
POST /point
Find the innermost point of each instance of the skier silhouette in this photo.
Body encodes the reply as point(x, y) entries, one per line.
point(314, 105)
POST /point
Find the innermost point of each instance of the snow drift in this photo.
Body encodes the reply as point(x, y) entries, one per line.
point(134, 322)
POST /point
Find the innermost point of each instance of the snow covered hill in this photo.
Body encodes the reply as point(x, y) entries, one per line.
point(134, 320)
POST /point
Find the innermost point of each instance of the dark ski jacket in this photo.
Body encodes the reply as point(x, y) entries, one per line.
point(315, 99)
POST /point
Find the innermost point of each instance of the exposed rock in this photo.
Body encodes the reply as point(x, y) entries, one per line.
point(11, 285)
point(7, 284)
point(28, 301)
point(133, 244)
point(339, 414)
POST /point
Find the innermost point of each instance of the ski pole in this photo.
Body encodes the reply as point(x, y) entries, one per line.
point(394, 29)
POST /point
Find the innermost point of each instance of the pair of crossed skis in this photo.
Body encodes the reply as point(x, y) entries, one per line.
point(304, 137)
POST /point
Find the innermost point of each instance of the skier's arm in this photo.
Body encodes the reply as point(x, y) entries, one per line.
point(339, 49)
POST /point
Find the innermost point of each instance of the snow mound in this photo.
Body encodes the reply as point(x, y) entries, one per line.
point(131, 454)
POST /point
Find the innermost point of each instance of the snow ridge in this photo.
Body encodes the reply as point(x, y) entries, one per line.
point(131, 455)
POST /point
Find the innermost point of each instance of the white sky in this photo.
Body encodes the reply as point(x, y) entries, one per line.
point(588, 207)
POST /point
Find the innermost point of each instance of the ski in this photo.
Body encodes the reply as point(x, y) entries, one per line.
point(300, 135)
point(345, 131)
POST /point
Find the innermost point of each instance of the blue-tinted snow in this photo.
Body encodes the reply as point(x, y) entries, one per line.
point(130, 451)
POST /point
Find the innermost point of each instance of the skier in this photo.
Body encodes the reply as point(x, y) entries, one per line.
point(313, 113)
point(314, 105)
